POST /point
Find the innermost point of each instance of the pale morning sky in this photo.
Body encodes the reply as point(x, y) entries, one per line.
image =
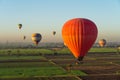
point(44, 16)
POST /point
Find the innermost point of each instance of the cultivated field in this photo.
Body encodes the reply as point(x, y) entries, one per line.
point(59, 64)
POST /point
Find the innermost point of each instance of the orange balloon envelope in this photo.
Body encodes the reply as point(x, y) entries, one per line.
point(36, 37)
point(102, 42)
point(79, 34)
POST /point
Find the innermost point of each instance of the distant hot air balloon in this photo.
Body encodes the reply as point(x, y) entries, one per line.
point(54, 32)
point(24, 37)
point(65, 44)
point(36, 37)
point(79, 35)
point(19, 26)
point(102, 42)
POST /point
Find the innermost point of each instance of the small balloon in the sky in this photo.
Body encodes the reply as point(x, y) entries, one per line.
point(36, 38)
point(54, 32)
point(24, 37)
point(19, 26)
point(102, 42)
point(65, 44)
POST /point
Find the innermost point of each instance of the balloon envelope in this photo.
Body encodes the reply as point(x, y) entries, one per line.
point(79, 34)
point(36, 37)
point(102, 42)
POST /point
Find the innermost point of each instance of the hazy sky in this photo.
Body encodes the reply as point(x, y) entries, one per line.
point(44, 16)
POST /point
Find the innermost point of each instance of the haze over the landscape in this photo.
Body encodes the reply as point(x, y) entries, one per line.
point(45, 16)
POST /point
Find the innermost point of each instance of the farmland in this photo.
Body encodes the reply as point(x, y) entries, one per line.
point(59, 64)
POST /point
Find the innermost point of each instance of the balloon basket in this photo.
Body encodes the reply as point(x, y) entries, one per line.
point(79, 62)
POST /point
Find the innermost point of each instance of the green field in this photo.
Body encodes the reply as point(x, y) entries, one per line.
point(48, 51)
point(22, 63)
point(103, 50)
point(16, 66)
point(32, 69)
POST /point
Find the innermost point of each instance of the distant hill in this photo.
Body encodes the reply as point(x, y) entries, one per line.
point(29, 45)
point(47, 45)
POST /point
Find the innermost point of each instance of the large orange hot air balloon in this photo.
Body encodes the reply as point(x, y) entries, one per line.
point(19, 26)
point(79, 34)
point(36, 37)
point(102, 42)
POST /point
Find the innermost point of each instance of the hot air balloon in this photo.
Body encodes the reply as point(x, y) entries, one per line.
point(102, 42)
point(36, 37)
point(19, 26)
point(24, 37)
point(65, 44)
point(79, 34)
point(54, 32)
